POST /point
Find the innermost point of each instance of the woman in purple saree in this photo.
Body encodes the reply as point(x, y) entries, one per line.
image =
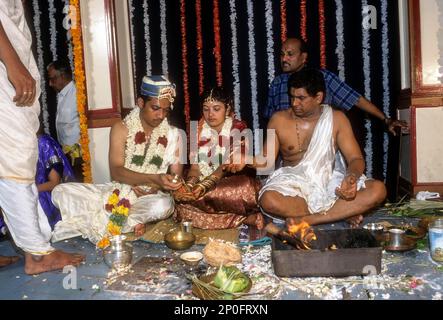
point(52, 168)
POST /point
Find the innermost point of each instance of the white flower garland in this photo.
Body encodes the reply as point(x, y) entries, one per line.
point(164, 39)
point(210, 134)
point(235, 61)
point(366, 46)
point(270, 40)
point(147, 37)
point(253, 73)
point(340, 50)
point(69, 39)
point(53, 29)
point(41, 66)
point(134, 125)
point(387, 93)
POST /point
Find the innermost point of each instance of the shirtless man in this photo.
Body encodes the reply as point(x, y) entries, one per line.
point(314, 184)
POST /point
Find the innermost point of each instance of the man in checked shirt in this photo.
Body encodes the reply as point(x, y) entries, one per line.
point(293, 58)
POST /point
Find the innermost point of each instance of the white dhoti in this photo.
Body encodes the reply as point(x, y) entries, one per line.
point(318, 174)
point(82, 207)
point(18, 143)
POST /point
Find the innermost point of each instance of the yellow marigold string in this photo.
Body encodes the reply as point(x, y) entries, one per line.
point(80, 83)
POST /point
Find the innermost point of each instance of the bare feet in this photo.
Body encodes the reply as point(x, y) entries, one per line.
point(140, 230)
point(256, 220)
point(5, 261)
point(53, 261)
point(355, 221)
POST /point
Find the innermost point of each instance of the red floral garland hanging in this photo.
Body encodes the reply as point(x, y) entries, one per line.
point(321, 11)
point(185, 63)
point(201, 79)
point(303, 20)
point(80, 83)
point(283, 29)
point(217, 49)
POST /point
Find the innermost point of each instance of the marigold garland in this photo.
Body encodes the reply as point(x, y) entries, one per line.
point(283, 28)
point(321, 11)
point(199, 46)
point(80, 83)
point(303, 20)
point(119, 209)
point(185, 63)
point(217, 41)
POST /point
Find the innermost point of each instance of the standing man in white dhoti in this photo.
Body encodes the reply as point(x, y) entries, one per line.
point(314, 184)
point(19, 107)
point(143, 149)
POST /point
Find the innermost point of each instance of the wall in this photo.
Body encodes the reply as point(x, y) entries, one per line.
point(97, 82)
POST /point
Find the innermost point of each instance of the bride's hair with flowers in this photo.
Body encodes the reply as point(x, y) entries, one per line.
point(217, 93)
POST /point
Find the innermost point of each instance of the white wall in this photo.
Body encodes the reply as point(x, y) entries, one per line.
point(125, 53)
point(99, 148)
point(429, 145)
point(98, 80)
point(431, 40)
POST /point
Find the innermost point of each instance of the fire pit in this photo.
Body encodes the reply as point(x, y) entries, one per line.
point(336, 253)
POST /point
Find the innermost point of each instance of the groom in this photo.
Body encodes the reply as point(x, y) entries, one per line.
point(143, 160)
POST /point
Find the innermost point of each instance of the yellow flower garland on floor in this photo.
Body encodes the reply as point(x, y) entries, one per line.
point(80, 83)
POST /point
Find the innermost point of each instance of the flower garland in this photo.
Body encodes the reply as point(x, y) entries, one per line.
point(80, 83)
point(270, 40)
point(303, 20)
point(164, 39)
point(217, 41)
point(283, 29)
point(340, 50)
point(235, 60)
point(386, 89)
point(69, 38)
point(367, 78)
point(144, 155)
point(52, 30)
point(253, 69)
point(321, 12)
point(147, 37)
point(185, 63)
point(41, 64)
point(212, 146)
point(201, 79)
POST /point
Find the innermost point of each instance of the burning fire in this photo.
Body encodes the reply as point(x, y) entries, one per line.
point(302, 231)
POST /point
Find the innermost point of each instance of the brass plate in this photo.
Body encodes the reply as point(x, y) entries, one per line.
point(203, 295)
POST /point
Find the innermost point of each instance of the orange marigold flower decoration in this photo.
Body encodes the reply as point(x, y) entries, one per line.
point(80, 83)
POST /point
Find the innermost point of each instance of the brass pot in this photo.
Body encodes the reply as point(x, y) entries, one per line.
point(179, 240)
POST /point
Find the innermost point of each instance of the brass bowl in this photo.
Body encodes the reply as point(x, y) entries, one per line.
point(179, 240)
